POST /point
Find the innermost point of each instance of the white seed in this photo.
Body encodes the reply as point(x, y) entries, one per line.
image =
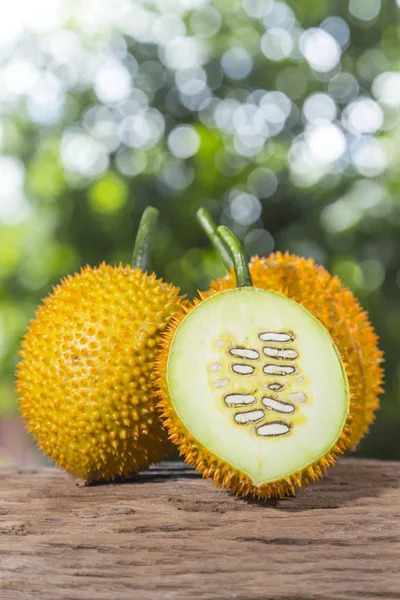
point(279, 370)
point(272, 336)
point(219, 343)
point(215, 366)
point(282, 407)
point(300, 379)
point(242, 369)
point(249, 417)
point(273, 429)
point(219, 383)
point(280, 353)
point(245, 353)
point(298, 397)
point(275, 387)
point(239, 399)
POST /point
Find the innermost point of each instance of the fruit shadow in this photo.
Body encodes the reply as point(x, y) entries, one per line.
point(166, 471)
point(352, 481)
point(173, 472)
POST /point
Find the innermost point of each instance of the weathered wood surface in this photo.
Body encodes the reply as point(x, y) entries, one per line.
point(171, 535)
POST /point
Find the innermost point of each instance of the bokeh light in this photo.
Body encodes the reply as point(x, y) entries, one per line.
point(283, 118)
point(184, 141)
point(320, 49)
point(365, 10)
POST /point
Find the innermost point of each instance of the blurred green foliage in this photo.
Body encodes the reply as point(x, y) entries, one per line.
point(281, 117)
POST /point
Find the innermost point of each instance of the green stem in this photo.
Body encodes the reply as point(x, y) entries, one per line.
point(209, 227)
point(240, 263)
point(144, 238)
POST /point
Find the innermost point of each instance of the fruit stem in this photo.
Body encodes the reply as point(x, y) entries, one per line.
point(209, 227)
point(236, 250)
point(144, 238)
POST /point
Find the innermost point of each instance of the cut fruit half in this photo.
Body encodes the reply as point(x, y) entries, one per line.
point(253, 389)
point(257, 381)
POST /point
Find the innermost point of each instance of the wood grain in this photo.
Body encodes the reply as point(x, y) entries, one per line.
point(171, 535)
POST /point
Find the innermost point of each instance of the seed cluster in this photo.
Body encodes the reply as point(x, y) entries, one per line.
point(86, 376)
point(252, 383)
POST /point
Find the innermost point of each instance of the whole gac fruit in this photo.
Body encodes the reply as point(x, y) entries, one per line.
point(85, 381)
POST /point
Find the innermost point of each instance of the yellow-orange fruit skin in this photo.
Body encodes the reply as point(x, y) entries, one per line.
point(337, 309)
point(86, 378)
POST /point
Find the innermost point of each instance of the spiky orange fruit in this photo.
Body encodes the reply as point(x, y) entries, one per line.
point(86, 377)
point(337, 310)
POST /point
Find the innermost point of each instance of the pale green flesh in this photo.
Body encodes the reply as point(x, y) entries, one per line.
point(235, 318)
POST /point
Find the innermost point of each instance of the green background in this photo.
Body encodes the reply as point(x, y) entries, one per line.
point(281, 117)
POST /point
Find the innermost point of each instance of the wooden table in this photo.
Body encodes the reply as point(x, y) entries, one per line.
point(171, 535)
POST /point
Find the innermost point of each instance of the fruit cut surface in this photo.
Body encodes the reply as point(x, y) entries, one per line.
point(258, 382)
point(335, 306)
